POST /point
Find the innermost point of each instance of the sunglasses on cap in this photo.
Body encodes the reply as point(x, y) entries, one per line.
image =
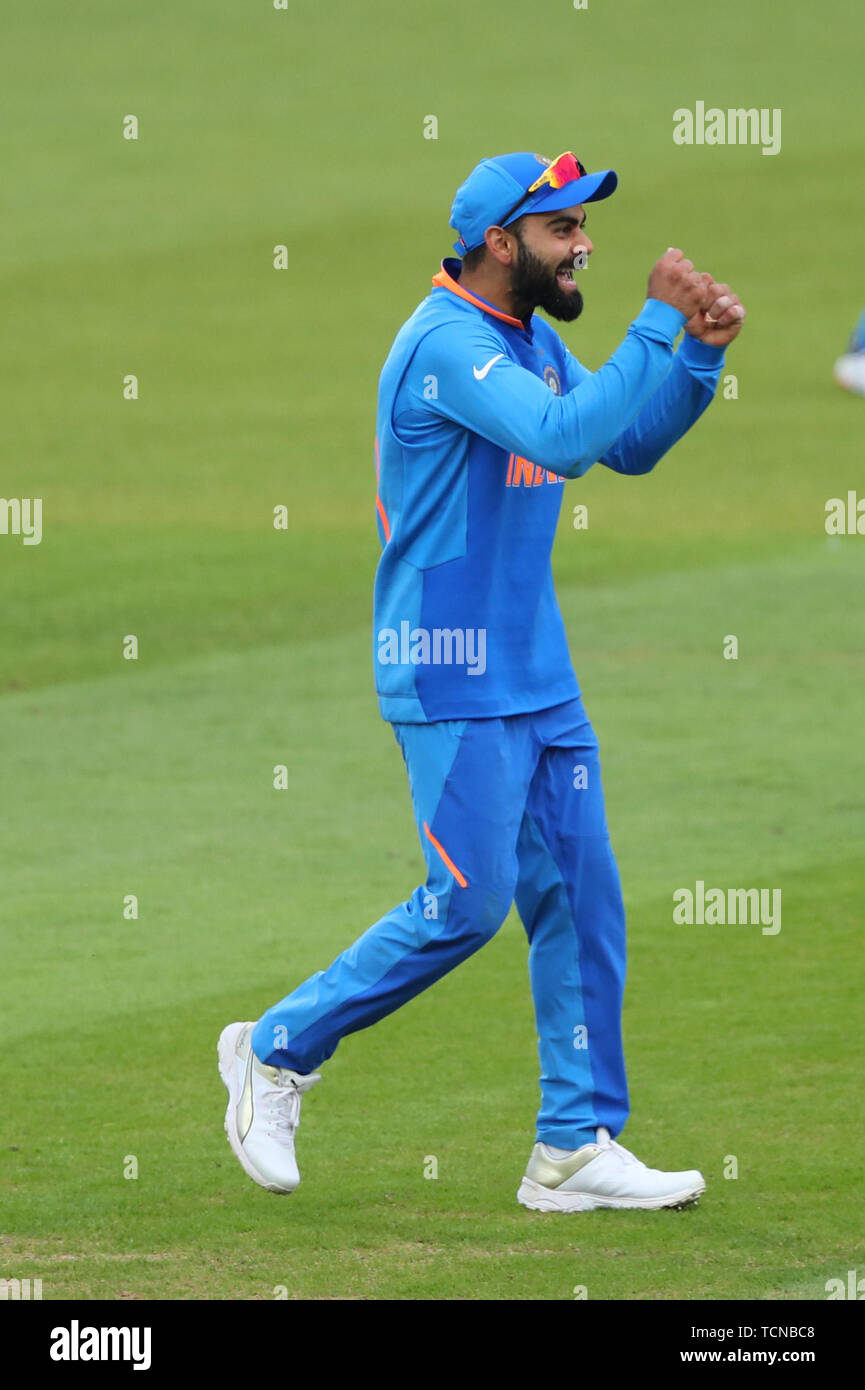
point(561, 171)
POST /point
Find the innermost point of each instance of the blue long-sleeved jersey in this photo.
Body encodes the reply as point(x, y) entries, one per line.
point(480, 420)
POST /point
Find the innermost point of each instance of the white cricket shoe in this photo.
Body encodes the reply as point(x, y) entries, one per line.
point(603, 1174)
point(263, 1110)
point(850, 372)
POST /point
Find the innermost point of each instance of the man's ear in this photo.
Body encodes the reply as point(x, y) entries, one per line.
point(501, 245)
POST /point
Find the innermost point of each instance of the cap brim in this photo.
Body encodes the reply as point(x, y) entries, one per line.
point(591, 188)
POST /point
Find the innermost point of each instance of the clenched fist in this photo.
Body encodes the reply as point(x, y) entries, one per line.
point(720, 317)
point(675, 281)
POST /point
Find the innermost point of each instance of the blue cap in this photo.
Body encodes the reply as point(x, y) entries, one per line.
point(495, 185)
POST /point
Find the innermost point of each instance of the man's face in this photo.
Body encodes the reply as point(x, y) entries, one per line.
point(543, 276)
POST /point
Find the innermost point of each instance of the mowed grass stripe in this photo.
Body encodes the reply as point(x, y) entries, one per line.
point(732, 1036)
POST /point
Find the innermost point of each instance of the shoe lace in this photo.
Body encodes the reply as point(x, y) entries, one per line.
point(625, 1154)
point(284, 1106)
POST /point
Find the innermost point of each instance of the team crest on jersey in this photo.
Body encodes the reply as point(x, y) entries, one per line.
point(551, 377)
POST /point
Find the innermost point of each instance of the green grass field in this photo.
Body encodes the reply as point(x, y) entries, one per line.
point(154, 777)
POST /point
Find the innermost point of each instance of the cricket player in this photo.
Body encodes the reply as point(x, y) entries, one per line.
point(483, 413)
point(850, 369)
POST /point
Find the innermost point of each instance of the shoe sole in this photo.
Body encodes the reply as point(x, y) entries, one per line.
point(228, 1070)
point(538, 1198)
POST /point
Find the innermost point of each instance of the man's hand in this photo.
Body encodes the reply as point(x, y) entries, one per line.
point(720, 317)
point(675, 281)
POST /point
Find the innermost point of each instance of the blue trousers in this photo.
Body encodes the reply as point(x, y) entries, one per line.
point(508, 809)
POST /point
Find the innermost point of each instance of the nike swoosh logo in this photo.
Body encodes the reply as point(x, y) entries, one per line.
point(481, 373)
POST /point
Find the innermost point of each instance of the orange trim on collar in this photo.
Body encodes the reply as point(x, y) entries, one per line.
point(448, 282)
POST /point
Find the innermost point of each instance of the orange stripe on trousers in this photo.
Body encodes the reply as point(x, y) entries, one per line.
point(382, 513)
point(460, 878)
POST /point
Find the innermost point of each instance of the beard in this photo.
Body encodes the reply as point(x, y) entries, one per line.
point(534, 286)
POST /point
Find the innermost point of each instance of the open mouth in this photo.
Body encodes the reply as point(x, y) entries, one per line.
point(566, 277)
